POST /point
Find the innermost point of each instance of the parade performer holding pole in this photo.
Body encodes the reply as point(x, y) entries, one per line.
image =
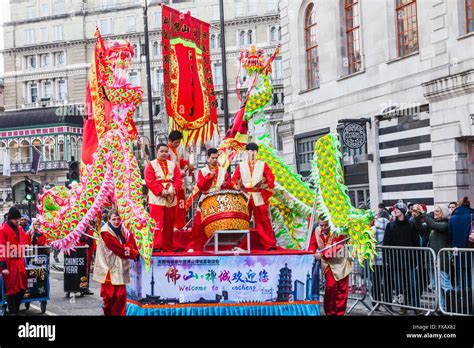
point(211, 178)
point(256, 178)
point(163, 179)
point(112, 268)
point(186, 168)
point(336, 266)
point(12, 262)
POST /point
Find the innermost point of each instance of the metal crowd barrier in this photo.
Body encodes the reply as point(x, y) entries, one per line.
point(455, 285)
point(402, 278)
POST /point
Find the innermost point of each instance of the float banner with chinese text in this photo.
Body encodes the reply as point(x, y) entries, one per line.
point(189, 91)
point(223, 279)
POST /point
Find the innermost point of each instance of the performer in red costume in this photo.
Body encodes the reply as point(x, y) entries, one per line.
point(336, 266)
point(12, 260)
point(256, 178)
point(112, 268)
point(186, 168)
point(211, 178)
point(163, 180)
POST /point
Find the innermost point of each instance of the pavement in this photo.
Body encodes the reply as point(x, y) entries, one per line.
point(59, 304)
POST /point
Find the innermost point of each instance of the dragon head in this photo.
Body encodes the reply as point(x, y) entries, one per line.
point(117, 58)
point(252, 59)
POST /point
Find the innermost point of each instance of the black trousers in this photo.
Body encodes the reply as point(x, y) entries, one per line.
point(13, 302)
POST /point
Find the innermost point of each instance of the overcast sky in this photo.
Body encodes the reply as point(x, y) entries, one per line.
point(4, 17)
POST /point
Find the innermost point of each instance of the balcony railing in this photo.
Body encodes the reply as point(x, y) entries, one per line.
point(44, 166)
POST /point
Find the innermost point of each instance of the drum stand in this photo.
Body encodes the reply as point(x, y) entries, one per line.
point(227, 238)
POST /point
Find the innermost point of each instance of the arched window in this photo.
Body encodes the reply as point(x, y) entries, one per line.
point(14, 151)
point(311, 48)
point(156, 49)
point(2, 147)
point(73, 149)
point(273, 34)
point(61, 149)
point(49, 150)
point(242, 38)
point(25, 151)
point(213, 41)
point(250, 37)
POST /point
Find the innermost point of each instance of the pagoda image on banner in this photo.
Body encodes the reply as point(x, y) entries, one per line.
point(284, 285)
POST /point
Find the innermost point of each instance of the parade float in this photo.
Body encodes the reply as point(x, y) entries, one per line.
point(258, 282)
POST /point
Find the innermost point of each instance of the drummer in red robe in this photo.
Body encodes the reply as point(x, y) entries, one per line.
point(163, 180)
point(256, 178)
point(211, 178)
point(186, 168)
point(12, 260)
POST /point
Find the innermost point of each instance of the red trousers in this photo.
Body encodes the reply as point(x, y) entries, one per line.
point(164, 228)
point(198, 237)
point(262, 224)
point(180, 220)
point(335, 297)
point(115, 299)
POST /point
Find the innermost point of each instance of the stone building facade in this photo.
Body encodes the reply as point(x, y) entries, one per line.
point(404, 67)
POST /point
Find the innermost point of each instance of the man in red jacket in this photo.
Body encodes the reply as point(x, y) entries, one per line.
point(211, 178)
point(163, 180)
point(12, 260)
point(256, 178)
point(186, 168)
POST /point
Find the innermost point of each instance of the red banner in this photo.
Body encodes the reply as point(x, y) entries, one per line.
point(189, 91)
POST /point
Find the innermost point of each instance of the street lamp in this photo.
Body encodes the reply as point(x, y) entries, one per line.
point(148, 79)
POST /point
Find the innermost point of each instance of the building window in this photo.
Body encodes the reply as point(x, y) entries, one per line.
point(61, 90)
point(14, 152)
point(469, 16)
point(242, 38)
point(47, 90)
point(311, 48)
point(49, 150)
point(33, 92)
point(305, 152)
point(157, 20)
point(133, 78)
point(31, 12)
point(217, 73)
point(108, 3)
point(25, 151)
point(240, 7)
point(353, 60)
point(73, 149)
point(407, 27)
point(30, 36)
point(45, 60)
point(44, 10)
point(59, 58)
point(31, 62)
point(58, 7)
point(156, 49)
point(250, 38)
point(215, 41)
point(277, 69)
point(58, 33)
point(61, 150)
point(273, 34)
point(272, 6)
point(105, 26)
point(215, 12)
point(251, 7)
point(131, 23)
point(44, 34)
point(158, 80)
